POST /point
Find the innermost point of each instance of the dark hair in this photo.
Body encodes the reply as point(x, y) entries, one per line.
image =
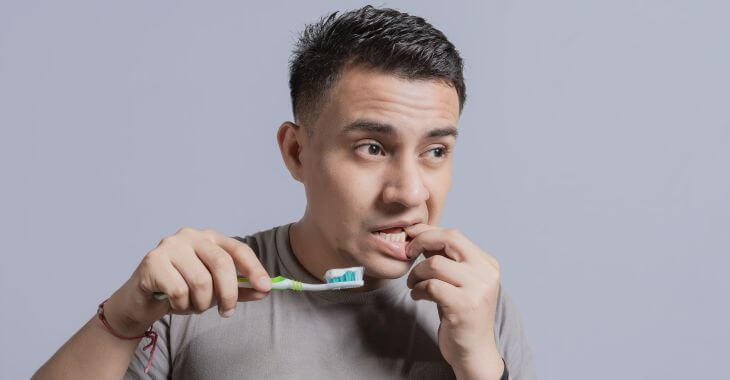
point(383, 39)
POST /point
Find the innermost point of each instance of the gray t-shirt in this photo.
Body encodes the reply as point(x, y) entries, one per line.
point(379, 334)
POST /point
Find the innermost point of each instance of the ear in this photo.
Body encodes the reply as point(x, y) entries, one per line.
point(290, 138)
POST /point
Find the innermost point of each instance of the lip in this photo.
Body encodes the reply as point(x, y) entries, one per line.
point(397, 223)
point(396, 250)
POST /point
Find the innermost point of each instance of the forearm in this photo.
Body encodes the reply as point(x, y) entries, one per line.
point(479, 374)
point(92, 353)
point(482, 367)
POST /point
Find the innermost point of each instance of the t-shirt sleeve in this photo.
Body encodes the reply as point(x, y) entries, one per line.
point(512, 341)
point(161, 360)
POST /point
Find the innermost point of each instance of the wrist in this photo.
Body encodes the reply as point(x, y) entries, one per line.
point(130, 317)
point(486, 366)
point(127, 328)
point(120, 322)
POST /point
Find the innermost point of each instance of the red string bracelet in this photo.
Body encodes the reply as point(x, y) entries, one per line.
point(148, 334)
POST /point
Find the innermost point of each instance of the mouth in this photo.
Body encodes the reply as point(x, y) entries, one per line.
point(392, 241)
point(393, 234)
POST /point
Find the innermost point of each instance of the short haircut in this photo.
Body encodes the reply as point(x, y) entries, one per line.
point(382, 39)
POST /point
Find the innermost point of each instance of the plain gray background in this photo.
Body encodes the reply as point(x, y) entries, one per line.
point(592, 162)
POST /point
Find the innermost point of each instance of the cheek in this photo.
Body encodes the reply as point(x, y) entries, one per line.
point(358, 188)
point(345, 189)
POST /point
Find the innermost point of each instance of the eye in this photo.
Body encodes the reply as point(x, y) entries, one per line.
point(371, 149)
point(439, 152)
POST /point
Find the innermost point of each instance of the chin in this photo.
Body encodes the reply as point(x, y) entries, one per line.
point(385, 268)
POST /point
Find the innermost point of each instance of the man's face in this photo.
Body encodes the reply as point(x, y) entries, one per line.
point(379, 157)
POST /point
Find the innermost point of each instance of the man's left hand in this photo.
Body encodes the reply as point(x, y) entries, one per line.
point(463, 281)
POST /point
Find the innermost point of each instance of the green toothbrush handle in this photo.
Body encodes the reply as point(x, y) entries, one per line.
point(277, 283)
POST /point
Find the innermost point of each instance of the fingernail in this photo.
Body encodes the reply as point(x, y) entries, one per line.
point(264, 282)
point(227, 313)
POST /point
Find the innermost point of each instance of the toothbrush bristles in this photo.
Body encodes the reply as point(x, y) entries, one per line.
point(346, 276)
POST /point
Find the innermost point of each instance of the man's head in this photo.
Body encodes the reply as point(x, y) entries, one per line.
point(376, 96)
point(384, 40)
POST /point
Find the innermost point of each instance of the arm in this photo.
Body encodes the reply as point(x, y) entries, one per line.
point(93, 352)
point(464, 283)
point(197, 271)
point(486, 369)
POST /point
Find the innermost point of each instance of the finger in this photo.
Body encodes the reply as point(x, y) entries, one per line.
point(169, 281)
point(246, 261)
point(223, 271)
point(436, 240)
point(416, 229)
point(248, 294)
point(443, 293)
point(442, 268)
point(412, 232)
point(196, 275)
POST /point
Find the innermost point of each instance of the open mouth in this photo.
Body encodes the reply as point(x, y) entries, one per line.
point(392, 241)
point(393, 235)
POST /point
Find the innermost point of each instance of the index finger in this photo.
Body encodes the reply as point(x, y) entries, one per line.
point(246, 261)
point(431, 239)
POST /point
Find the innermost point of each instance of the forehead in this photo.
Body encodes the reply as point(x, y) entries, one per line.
point(363, 94)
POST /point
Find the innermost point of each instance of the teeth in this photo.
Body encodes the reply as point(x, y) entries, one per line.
point(399, 237)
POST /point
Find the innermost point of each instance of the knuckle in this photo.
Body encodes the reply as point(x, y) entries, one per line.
point(145, 267)
point(220, 260)
point(184, 231)
point(179, 292)
point(169, 240)
point(150, 257)
point(429, 287)
point(436, 262)
point(151, 260)
point(209, 232)
point(201, 281)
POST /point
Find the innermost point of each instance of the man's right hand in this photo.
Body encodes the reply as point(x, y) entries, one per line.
point(197, 270)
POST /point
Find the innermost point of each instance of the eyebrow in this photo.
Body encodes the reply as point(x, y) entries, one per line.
point(387, 129)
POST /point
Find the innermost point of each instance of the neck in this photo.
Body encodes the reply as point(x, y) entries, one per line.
point(316, 257)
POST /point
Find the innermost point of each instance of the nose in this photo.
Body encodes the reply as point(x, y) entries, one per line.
point(405, 185)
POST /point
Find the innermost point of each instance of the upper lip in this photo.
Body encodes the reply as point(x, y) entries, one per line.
point(398, 223)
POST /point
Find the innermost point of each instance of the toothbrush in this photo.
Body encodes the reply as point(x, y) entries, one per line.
point(342, 278)
point(338, 278)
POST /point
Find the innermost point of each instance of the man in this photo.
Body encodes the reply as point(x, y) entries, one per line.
point(376, 96)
